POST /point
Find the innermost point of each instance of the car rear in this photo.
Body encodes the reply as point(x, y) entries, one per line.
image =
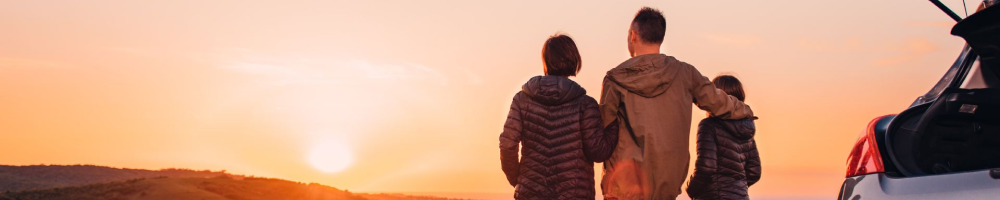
point(947, 144)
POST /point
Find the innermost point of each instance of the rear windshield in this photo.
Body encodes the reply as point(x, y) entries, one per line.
point(945, 81)
point(974, 79)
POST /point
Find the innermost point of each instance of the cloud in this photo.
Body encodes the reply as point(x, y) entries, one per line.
point(266, 69)
point(848, 44)
point(11, 62)
point(910, 50)
point(734, 40)
point(882, 53)
point(315, 70)
point(395, 72)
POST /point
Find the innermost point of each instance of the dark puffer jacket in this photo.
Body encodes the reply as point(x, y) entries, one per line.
point(560, 127)
point(728, 162)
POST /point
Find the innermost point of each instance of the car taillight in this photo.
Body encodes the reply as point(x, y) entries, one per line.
point(865, 157)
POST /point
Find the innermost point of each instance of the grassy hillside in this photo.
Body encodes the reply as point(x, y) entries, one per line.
point(387, 196)
point(218, 188)
point(20, 178)
point(82, 182)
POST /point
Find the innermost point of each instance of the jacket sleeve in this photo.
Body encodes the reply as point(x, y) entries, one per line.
point(598, 141)
point(716, 101)
point(706, 163)
point(752, 167)
point(609, 102)
point(510, 140)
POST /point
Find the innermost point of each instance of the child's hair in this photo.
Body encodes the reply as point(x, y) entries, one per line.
point(730, 85)
point(560, 56)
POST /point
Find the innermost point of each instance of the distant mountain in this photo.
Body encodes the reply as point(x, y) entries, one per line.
point(87, 182)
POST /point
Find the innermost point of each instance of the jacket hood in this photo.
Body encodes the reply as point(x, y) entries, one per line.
point(742, 129)
point(552, 90)
point(645, 75)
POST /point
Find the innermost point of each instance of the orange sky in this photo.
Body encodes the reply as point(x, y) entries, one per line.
point(418, 90)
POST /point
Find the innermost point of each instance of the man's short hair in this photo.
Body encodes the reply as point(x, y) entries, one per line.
point(561, 56)
point(650, 25)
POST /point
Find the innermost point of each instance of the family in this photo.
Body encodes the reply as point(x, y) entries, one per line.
point(554, 132)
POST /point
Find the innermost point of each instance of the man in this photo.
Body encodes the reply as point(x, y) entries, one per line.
point(652, 96)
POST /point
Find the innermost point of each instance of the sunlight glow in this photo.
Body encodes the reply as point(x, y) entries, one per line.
point(330, 156)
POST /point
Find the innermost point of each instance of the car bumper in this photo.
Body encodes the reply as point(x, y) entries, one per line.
point(966, 185)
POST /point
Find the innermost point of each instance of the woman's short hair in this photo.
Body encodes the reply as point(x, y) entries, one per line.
point(560, 56)
point(730, 85)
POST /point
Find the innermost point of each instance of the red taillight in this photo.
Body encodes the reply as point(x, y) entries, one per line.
point(865, 157)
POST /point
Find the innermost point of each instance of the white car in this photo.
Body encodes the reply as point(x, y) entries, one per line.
point(946, 145)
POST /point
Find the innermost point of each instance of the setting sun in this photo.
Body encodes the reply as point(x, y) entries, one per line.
point(330, 156)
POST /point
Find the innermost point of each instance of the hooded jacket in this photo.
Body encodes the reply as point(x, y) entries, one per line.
point(728, 162)
point(656, 94)
point(562, 133)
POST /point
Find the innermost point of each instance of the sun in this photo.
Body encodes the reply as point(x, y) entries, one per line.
point(330, 156)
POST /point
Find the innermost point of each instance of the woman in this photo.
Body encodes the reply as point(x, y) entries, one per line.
point(560, 127)
point(728, 162)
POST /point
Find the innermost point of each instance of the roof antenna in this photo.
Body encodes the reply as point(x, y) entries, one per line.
point(946, 10)
point(965, 8)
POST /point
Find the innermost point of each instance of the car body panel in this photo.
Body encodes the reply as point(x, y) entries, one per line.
point(967, 185)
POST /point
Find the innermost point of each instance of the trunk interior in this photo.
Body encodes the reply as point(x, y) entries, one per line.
point(958, 132)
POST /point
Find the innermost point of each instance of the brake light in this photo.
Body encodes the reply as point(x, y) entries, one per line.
point(865, 157)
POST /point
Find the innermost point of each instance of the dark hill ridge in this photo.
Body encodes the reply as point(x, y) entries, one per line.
point(20, 178)
point(88, 182)
point(218, 188)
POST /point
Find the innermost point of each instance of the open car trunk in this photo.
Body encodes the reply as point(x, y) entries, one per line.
point(958, 132)
point(956, 126)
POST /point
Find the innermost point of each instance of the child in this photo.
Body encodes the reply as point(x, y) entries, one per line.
point(728, 162)
point(561, 129)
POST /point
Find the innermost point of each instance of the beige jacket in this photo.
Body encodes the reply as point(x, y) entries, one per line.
point(657, 92)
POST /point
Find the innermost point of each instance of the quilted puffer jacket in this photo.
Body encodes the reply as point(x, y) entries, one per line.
point(728, 162)
point(563, 135)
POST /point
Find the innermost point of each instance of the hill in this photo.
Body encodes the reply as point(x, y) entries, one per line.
point(218, 188)
point(88, 182)
point(21, 178)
